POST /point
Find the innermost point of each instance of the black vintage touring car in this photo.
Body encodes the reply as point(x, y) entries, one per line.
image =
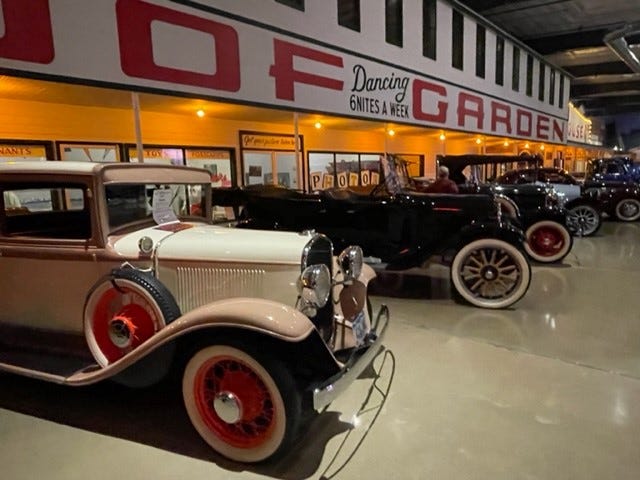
point(399, 228)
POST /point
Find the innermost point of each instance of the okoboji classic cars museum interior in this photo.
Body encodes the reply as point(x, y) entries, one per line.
point(302, 239)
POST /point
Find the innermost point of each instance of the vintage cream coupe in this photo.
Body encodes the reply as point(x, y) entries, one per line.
point(114, 271)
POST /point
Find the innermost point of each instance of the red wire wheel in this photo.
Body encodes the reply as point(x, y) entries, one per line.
point(246, 409)
point(548, 241)
point(123, 311)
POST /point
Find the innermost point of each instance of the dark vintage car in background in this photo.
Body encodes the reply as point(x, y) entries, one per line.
point(583, 213)
point(617, 198)
point(614, 169)
point(399, 228)
point(537, 208)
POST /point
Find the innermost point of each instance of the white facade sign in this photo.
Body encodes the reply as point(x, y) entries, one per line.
point(578, 127)
point(160, 45)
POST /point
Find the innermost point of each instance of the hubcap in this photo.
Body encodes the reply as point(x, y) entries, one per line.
point(489, 273)
point(227, 407)
point(119, 332)
point(546, 241)
point(629, 209)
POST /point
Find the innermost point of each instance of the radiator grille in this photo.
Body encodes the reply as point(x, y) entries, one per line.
point(198, 286)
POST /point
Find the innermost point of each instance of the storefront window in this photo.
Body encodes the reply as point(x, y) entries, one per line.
point(89, 152)
point(321, 165)
point(218, 162)
point(370, 169)
point(343, 170)
point(347, 170)
point(160, 156)
point(16, 153)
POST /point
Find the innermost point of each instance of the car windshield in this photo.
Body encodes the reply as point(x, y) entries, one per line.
point(133, 202)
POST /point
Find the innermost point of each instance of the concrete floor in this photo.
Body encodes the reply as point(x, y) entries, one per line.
point(547, 390)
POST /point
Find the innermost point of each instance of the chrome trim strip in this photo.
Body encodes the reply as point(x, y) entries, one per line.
point(336, 385)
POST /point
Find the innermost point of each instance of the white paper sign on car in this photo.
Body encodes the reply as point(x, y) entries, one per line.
point(162, 211)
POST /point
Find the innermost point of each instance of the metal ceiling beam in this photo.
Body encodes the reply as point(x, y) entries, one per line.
point(608, 68)
point(617, 42)
point(600, 102)
point(568, 41)
point(578, 91)
point(610, 110)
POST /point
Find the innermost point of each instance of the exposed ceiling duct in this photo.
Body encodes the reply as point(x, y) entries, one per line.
point(617, 42)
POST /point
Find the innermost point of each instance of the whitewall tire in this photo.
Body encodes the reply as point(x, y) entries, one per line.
point(244, 408)
point(490, 273)
point(547, 241)
point(628, 210)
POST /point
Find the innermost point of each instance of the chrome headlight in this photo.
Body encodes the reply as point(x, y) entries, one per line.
point(350, 262)
point(314, 285)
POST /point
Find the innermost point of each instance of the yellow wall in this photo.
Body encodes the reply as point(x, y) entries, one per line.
point(23, 120)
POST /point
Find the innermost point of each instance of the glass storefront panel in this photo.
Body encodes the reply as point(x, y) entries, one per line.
point(320, 165)
point(17, 153)
point(218, 162)
point(257, 168)
point(159, 156)
point(89, 153)
point(287, 169)
point(347, 169)
point(370, 169)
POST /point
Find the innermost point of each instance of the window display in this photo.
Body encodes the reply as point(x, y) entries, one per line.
point(159, 156)
point(89, 152)
point(16, 152)
point(218, 162)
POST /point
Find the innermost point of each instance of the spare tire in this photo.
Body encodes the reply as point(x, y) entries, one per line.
point(123, 310)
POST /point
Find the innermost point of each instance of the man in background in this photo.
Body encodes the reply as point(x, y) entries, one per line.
point(443, 184)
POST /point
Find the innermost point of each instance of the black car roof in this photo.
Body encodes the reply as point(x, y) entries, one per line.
point(457, 163)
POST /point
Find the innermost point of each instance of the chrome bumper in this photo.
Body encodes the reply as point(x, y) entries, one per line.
point(333, 387)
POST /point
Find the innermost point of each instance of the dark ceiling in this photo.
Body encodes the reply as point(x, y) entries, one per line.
point(571, 34)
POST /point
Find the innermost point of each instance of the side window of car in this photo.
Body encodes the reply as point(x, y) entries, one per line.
point(50, 211)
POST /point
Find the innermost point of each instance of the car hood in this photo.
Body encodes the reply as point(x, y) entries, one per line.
point(193, 241)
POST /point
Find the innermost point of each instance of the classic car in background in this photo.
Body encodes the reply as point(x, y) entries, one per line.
point(618, 199)
point(114, 271)
point(537, 208)
point(399, 228)
point(583, 212)
point(614, 169)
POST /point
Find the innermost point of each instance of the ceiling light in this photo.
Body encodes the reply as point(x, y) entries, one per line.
point(541, 147)
point(478, 141)
point(391, 132)
point(526, 145)
point(442, 136)
point(200, 113)
point(318, 125)
point(506, 143)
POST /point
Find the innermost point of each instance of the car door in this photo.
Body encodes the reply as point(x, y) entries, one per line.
point(48, 255)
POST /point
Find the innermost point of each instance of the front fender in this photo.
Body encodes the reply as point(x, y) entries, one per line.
point(554, 214)
point(503, 230)
point(263, 316)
